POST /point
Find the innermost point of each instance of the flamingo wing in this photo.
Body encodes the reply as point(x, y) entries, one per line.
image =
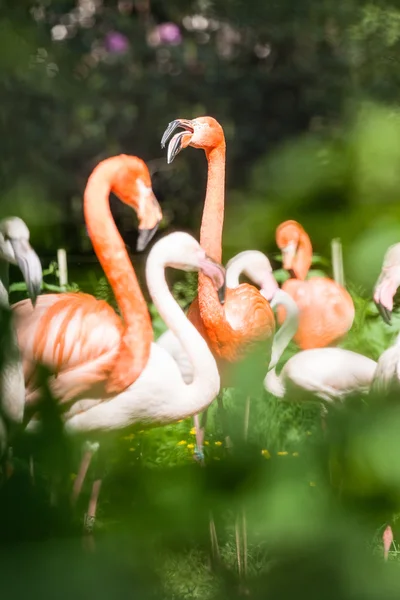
point(74, 335)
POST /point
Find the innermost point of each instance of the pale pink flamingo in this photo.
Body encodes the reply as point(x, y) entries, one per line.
point(14, 249)
point(387, 375)
point(159, 396)
point(329, 375)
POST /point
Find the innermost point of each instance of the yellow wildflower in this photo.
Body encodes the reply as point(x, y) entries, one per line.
point(206, 443)
point(265, 453)
point(193, 431)
point(295, 454)
point(312, 483)
point(180, 421)
point(218, 443)
point(190, 446)
point(131, 449)
point(182, 443)
point(129, 437)
point(283, 453)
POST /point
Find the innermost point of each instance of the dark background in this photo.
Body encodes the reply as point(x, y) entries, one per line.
point(306, 92)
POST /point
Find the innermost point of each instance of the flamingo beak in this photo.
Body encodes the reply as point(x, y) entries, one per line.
point(150, 216)
point(29, 264)
point(145, 236)
point(180, 140)
point(217, 274)
point(383, 296)
point(385, 313)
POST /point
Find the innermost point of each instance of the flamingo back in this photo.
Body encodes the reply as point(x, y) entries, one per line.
point(330, 373)
point(326, 311)
point(74, 335)
point(243, 330)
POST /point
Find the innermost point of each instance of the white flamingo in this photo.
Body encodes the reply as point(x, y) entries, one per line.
point(14, 249)
point(160, 395)
point(254, 265)
point(387, 375)
point(326, 374)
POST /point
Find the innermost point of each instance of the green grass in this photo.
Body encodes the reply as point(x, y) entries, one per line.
point(309, 499)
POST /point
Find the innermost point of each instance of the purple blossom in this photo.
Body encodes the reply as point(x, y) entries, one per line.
point(169, 33)
point(116, 42)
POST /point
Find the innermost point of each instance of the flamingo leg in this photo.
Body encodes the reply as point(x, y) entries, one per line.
point(224, 421)
point(200, 431)
point(78, 483)
point(90, 516)
point(243, 525)
point(387, 541)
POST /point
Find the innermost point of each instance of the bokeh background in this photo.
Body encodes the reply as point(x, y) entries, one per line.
point(307, 92)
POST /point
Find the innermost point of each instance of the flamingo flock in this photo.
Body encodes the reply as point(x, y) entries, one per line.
point(108, 374)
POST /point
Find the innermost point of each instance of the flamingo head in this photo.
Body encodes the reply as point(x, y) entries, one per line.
point(132, 185)
point(296, 248)
point(202, 132)
point(183, 252)
point(256, 266)
point(388, 283)
point(15, 248)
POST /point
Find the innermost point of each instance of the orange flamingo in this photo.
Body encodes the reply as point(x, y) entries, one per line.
point(87, 347)
point(246, 319)
point(326, 309)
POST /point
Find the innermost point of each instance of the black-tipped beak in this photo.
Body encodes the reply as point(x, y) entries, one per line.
point(385, 313)
point(145, 236)
point(221, 293)
point(175, 145)
point(31, 269)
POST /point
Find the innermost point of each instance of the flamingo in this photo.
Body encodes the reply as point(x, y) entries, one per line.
point(246, 319)
point(81, 340)
point(326, 308)
point(256, 267)
point(329, 375)
point(387, 376)
point(14, 249)
point(159, 395)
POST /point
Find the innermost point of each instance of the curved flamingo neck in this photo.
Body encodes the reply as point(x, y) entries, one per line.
point(4, 300)
point(110, 249)
point(302, 261)
point(205, 383)
point(212, 221)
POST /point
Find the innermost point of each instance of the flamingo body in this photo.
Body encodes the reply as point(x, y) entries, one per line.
point(247, 319)
point(75, 336)
point(330, 374)
point(88, 348)
point(326, 311)
point(387, 375)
